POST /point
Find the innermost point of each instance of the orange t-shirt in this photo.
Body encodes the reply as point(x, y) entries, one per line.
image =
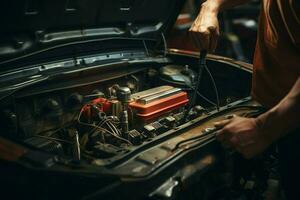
point(277, 55)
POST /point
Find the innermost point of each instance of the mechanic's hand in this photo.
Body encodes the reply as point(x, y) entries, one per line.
point(205, 29)
point(243, 135)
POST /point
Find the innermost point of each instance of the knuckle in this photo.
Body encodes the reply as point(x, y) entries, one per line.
point(203, 29)
point(212, 28)
point(192, 29)
point(204, 32)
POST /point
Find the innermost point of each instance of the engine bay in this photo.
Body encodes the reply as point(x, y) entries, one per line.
point(108, 118)
point(132, 122)
point(105, 119)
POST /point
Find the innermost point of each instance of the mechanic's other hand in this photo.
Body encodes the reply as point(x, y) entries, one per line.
point(205, 29)
point(243, 135)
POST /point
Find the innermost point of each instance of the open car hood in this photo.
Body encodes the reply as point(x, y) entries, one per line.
point(32, 26)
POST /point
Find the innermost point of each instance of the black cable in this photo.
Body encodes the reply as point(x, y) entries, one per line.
point(201, 95)
point(214, 86)
point(206, 99)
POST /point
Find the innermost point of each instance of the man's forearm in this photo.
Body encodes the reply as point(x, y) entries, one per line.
point(219, 5)
point(284, 117)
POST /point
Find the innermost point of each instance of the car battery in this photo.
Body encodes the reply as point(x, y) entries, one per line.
point(158, 101)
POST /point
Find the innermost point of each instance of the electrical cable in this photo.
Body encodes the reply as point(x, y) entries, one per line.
point(116, 129)
point(206, 99)
point(203, 97)
point(100, 128)
point(112, 128)
point(165, 43)
point(214, 86)
point(110, 125)
point(107, 131)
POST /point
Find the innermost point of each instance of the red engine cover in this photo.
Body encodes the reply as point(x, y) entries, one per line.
point(102, 104)
point(160, 106)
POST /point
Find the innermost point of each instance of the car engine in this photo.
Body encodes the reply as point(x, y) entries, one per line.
point(105, 119)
